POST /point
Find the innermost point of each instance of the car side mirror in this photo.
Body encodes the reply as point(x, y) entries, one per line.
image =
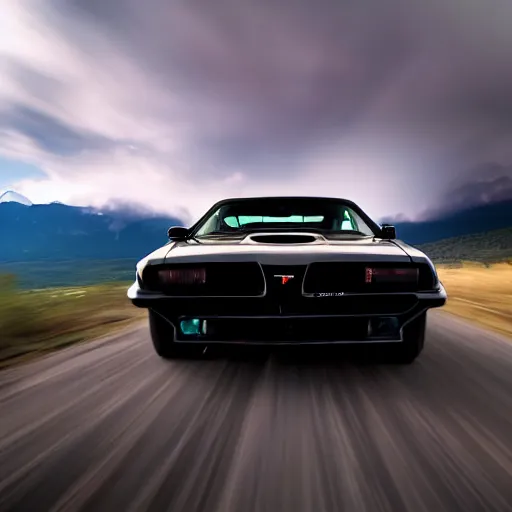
point(388, 232)
point(177, 233)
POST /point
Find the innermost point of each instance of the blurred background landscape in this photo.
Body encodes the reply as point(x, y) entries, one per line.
point(121, 119)
point(119, 122)
point(64, 270)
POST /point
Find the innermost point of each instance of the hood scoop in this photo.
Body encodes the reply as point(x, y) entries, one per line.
point(285, 238)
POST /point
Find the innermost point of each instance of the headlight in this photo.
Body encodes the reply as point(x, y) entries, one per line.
point(182, 277)
point(156, 278)
point(375, 275)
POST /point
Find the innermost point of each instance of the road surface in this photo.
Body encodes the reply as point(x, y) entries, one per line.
point(108, 426)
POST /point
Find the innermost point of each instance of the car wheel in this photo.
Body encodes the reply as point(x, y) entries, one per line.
point(411, 347)
point(162, 336)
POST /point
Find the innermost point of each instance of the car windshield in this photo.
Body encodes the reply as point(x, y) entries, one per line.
point(326, 216)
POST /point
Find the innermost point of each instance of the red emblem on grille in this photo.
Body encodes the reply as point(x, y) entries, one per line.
point(285, 279)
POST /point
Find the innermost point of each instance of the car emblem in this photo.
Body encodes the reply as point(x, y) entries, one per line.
point(284, 279)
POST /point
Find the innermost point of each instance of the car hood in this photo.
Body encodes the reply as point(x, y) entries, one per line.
point(290, 249)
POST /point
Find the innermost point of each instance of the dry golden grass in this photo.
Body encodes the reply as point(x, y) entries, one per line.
point(40, 321)
point(480, 294)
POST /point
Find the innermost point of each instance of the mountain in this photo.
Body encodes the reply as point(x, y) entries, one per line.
point(35, 232)
point(469, 221)
point(489, 247)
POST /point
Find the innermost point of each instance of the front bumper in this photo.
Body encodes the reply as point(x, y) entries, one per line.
point(351, 318)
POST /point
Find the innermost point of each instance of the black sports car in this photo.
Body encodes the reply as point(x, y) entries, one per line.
point(287, 270)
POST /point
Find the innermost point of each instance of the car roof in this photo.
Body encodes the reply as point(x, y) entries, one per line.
point(283, 198)
point(250, 198)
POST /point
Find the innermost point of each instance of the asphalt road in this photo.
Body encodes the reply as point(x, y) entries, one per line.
point(110, 426)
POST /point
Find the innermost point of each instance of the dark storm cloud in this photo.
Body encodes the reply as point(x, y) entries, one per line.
point(266, 78)
point(397, 97)
point(262, 76)
point(51, 134)
point(487, 183)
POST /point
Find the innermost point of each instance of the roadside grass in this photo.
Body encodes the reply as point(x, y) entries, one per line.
point(480, 293)
point(52, 274)
point(39, 321)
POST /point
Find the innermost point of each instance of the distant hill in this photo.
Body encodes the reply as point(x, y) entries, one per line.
point(50, 232)
point(478, 219)
point(489, 247)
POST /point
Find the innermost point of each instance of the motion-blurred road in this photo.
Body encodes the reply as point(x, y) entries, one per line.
point(108, 426)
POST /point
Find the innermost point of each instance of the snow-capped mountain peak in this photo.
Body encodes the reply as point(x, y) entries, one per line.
point(10, 196)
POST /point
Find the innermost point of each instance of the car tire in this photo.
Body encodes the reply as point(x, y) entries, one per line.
point(412, 345)
point(162, 336)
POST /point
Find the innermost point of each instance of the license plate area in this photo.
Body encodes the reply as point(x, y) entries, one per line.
point(282, 330)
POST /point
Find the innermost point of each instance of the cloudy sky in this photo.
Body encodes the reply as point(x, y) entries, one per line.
point(404, 106)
